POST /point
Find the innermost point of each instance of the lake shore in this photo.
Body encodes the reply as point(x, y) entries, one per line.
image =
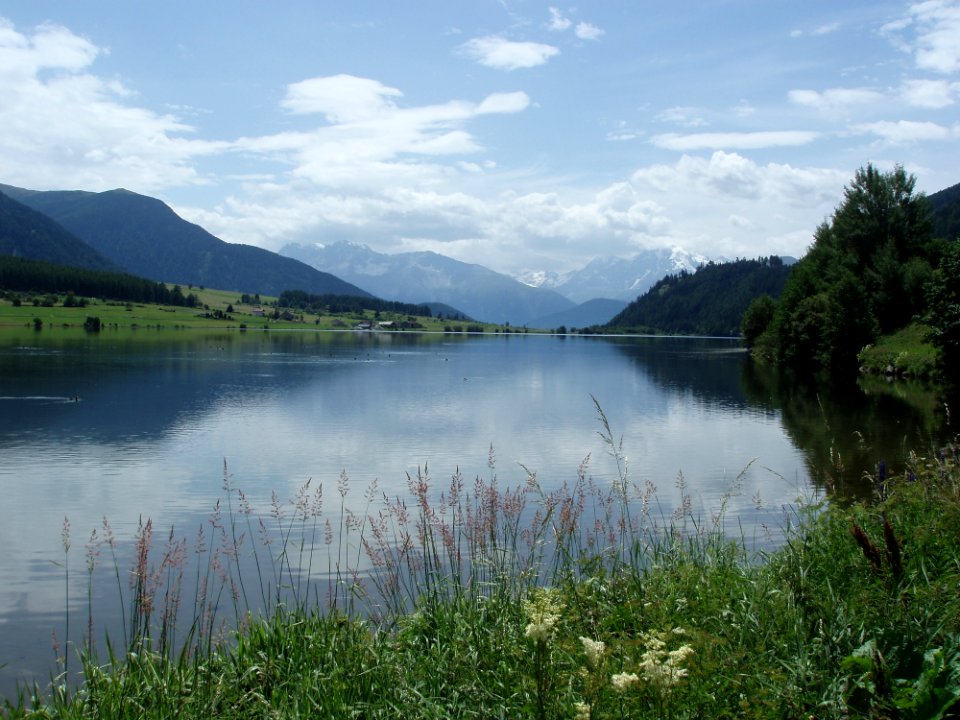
point(633, 615)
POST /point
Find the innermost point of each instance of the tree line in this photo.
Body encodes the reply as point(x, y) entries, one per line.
point(709, 301)
point(874, 267)
point(37, 276)
point(337, 304)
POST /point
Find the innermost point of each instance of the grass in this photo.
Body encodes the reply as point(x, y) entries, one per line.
point(123, 315)
point(906, 353)
point(480, 601)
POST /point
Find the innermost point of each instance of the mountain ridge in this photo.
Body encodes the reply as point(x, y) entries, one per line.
point(144, 236)
point(428, 277)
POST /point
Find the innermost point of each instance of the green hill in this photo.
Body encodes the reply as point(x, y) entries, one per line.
point(710, 301)
point(26, 233)
point(145, 237)
point(946, 212)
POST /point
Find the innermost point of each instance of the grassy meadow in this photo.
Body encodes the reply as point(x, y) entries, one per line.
point(467, 599)
point(214, 312)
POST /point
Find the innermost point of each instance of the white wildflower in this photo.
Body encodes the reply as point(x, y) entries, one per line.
point(543, 611)
point(594, 650)
point(624, 681)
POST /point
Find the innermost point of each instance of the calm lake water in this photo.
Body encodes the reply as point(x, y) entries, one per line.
point(135, 425)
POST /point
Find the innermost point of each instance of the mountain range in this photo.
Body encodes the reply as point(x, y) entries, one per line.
point(121, 230)
point(617, 278)
point(141, 235)
point(418, 277)
point(125, 231)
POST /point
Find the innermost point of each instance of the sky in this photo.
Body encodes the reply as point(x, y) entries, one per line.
point(521, 135)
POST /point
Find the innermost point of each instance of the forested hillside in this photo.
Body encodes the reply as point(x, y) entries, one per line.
point(299, 300)
point(710, 301)
point(874, 268)
point(144, 236)
point(946, 212)
point(36, 276)
point(24, 232)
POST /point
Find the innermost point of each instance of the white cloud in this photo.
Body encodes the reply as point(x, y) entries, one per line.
point(342, 98)
point(61, 126)
point(683, 116)
point(835, 99)
point(935, 45)
point(371, 142)
point(721, 205)
point(588, 31)
point(771, 208)
point(938, 38)
point(907, 131)
point(734, 141)
point(502, 54)
point(504, 103)
point(825, 29)
point(932, 94)
point(558, 23)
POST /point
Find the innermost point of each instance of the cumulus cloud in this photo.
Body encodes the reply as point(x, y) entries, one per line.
point(768, 208)
point(558, 23)
point(724, 204)
point(588, 31)
point(61, 125)
point(497, 52)
point(907, 131)
point(371, 143)
point(938, 36)
point(935, 41)
point(932, 94)
point(342, 98)
point(734, 141)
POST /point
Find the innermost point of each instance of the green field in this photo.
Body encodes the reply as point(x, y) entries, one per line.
point(219, 309)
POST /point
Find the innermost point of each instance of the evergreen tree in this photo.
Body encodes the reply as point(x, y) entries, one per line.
point(861, 278)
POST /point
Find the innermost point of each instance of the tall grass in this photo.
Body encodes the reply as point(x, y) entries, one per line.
point(474, 599)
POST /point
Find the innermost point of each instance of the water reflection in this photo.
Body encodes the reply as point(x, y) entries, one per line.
point(844, 430)
point(139, 425)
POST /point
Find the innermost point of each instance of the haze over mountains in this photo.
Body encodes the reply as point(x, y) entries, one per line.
point(535, 299)
point(122, 230)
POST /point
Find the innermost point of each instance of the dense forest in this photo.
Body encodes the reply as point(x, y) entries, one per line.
point(710, 301)
point(874, 268)
point(946, 212)
point(24, 232)
point(323, 304)
point(36, 276)
point(143, 236)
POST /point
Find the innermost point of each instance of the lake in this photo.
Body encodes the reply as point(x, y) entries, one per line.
point(140, 424)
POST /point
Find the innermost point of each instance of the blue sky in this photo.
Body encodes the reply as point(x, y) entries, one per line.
point(525, 136)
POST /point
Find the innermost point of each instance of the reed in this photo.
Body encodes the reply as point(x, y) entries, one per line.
point(479, 599)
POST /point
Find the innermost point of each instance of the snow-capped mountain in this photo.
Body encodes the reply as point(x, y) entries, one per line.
point(425, 277)
point(614, 277)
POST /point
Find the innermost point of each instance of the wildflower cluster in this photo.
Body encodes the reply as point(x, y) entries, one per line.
point(543, 611)
point(660, 667)
point(594, 650)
